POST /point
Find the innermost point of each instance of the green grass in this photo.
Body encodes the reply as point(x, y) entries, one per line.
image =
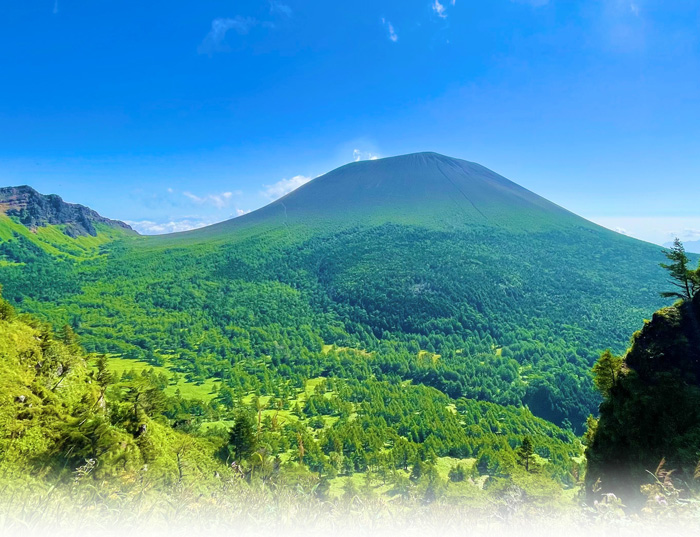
point(379, 488)
point(445, 464)
point(360, 352)
point(55, 242)
point(204, 391)
point(283, 415)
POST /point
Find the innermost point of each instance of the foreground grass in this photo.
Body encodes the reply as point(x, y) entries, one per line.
point(240, 508)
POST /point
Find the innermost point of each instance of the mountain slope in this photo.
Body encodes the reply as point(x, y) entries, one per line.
point(438, 271)
point(34, 210)
point(31, 222)
point(425, 189)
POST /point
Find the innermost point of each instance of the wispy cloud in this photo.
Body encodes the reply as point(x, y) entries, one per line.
point(149, 227)
point(278, 8)
point(176, 225)
point(392, 31)
point(623, 26)
point(284, 187)
point(215, 40)
point(55, 7)
point(656, 229)
point(688, 234)
point(217, 200)
point(439, 9)
point(358, 155)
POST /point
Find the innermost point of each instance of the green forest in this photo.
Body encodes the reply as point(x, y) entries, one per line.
point(469, 315)
point(416, 363)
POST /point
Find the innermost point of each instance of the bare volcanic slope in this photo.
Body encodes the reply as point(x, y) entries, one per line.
point(425, 189)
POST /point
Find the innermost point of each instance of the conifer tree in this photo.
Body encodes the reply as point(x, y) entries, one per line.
point(685, 279)
point(606, 371)
point(525, 453)
point(241, 439)
point(457, 473)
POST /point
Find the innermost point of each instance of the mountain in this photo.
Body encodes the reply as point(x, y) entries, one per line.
point(32, 224)
point(37, 210)
point(421, 269)
point(425, 189)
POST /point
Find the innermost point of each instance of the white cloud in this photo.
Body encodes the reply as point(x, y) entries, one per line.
point(358, 155)
point(278, 8)
point(634, 8)
point(177, 225)
point(284, 187)
point(439, 9)
point(691, 234)
point(55, 7)
point(215, 41)
point(656, 229)
point(217, 200)
point(392, 31)
point(148, 227)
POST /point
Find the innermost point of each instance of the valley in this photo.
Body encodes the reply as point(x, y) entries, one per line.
point(398, 328)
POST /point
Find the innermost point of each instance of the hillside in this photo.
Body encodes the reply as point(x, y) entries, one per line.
point(31, 222)
point(432, 270)
point(37, 210)
point(71, 423)
point(651, 410)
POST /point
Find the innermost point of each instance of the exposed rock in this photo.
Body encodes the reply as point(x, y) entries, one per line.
point(35, 210)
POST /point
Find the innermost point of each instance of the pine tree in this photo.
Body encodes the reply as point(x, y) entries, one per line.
point(457, 473)
point(241, 439)
point(685, 279)
point(419, 468)
point(606, 371)
point(525, 453)
point(104, 375)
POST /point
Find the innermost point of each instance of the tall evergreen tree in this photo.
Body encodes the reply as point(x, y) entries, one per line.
point(525, 453)
point(241, 440)
point(682, 277)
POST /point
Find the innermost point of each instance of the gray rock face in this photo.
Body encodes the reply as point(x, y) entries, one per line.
point(34, 210)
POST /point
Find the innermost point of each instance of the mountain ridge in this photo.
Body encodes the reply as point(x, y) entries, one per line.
point(34, 209)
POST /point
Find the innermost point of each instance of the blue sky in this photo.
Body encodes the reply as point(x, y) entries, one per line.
point(178, 114)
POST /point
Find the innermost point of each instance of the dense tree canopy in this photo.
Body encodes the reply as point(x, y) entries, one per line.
point(651, 407)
